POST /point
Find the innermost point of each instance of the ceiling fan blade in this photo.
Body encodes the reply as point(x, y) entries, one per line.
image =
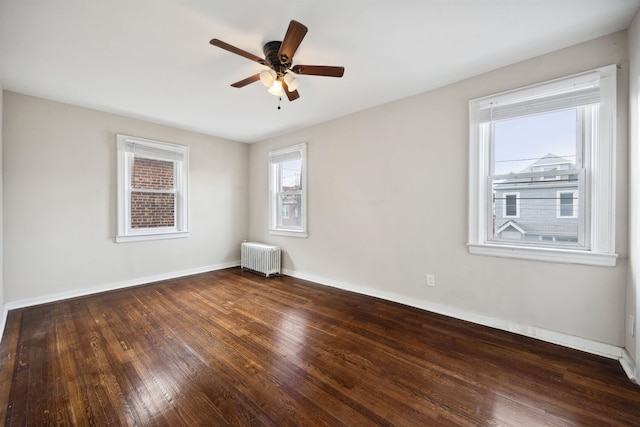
point(237, 51)
point(247, 81)
point(293, 95)
point(292, 39)
point(318, 70)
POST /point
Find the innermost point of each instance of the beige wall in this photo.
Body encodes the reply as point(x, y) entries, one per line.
point(60, 201)
point(387, 204)
point(632, 344)
point(2, 313)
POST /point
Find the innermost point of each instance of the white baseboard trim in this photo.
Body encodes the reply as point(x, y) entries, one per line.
point(113, 286)
point(629, 365)
point(3, 322)
point(578, 343)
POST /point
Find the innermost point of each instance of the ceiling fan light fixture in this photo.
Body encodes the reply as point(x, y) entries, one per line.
point(276, 88)
point(278, 58)
point(268, 77)
point(292, 82)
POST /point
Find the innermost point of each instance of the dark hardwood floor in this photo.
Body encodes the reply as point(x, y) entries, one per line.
point(233, 348)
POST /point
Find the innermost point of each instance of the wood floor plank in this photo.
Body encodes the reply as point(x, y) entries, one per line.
point(232, 348)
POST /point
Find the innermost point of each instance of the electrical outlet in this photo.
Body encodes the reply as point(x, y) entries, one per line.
point(431, 280)
point(632, 325)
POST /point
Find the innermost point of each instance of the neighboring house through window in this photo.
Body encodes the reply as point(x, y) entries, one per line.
point(287, 191)
point(542, 163)
point(152, 189)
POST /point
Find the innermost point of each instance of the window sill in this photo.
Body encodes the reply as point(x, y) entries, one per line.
point(566, 256)
point(157, 236)
point(290, 233)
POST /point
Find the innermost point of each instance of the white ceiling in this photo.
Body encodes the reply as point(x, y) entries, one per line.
point(151, 59)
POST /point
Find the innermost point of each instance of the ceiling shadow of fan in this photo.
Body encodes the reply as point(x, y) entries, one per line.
point(278, 56)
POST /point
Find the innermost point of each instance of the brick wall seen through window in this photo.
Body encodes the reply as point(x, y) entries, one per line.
point(154, 205)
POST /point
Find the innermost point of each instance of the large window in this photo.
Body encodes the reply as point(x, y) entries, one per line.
point(152, 189)
point(542, 166)
point(287, 189)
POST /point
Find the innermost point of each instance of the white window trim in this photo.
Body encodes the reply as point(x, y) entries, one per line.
point(601, 191)
point(504, 205)
point(575, 209)
point(273, 203)
point(124, 232)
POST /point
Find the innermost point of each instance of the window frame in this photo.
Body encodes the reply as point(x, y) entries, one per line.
point(156, 150)
point(599, 161)
point(275, 197)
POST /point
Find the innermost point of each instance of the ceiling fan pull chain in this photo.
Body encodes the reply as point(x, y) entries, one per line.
point(279, 99)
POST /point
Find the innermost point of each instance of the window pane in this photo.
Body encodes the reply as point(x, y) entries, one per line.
point(539, 212)
point(291, 204)
point(152, 174)
point(534, 150)
point(290, 199)
point(535, 142)
point(291, 171)
point(152, 210)
point(149, 209)
point(511, 206)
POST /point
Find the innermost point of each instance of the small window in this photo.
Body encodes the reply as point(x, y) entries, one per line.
point(541, 164)
point(287, 187)
point(152, 189)
point(567, 204)
point(511, 204)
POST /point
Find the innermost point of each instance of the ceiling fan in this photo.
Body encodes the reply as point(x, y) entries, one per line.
point(278, 56)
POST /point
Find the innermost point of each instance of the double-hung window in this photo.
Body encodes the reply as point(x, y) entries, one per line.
point(287, 191)
point(152, 189)
point(542, 171)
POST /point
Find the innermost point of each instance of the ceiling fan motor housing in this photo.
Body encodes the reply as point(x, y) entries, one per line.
point(279, 65)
